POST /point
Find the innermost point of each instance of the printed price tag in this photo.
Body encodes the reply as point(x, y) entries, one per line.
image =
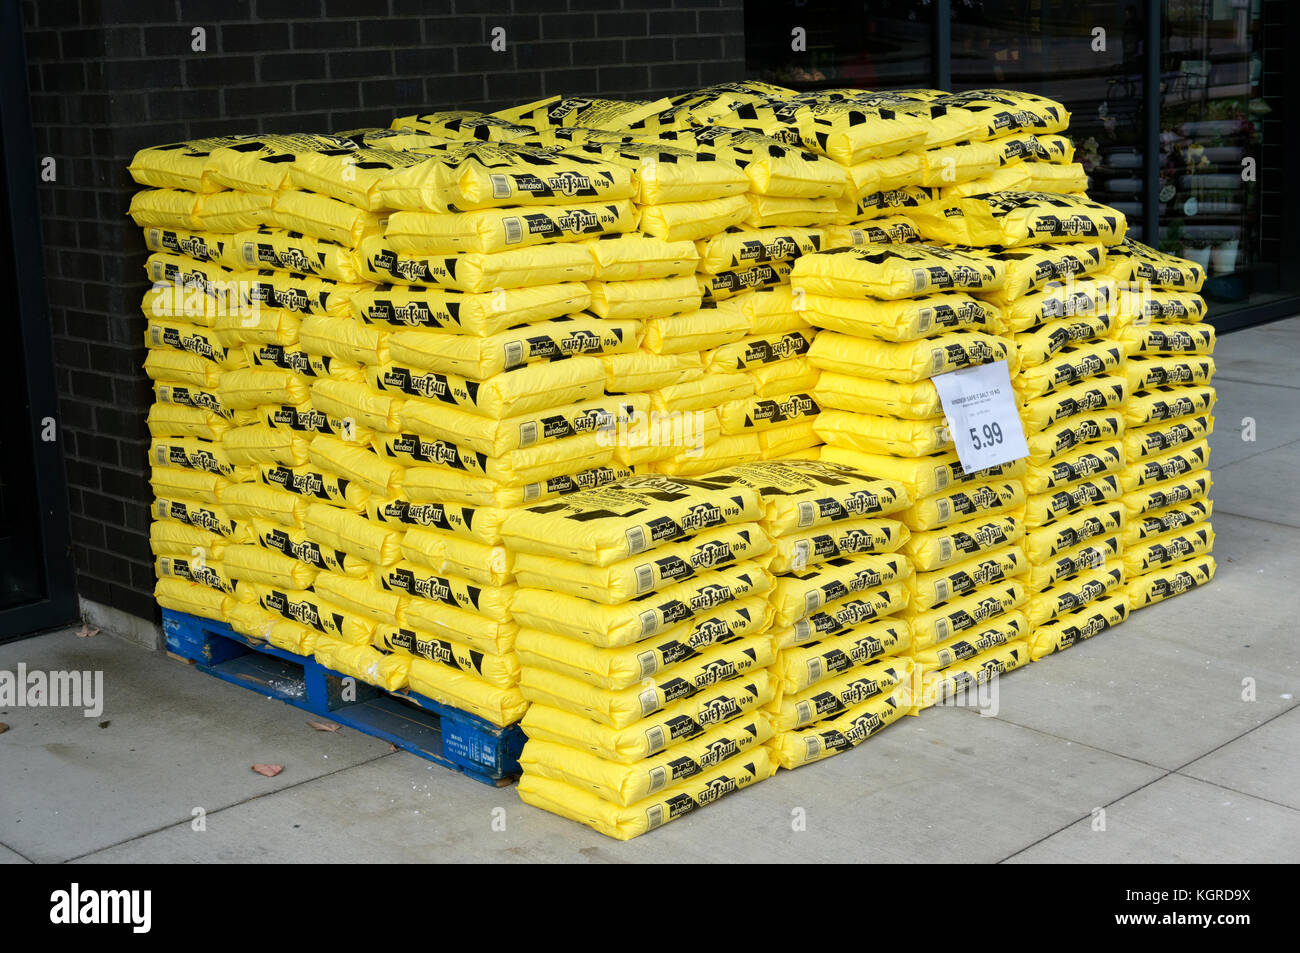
point(981, 410)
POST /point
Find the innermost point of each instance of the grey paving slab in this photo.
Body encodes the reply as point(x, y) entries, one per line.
point(1275, 412)
point(1270, 352)
point(1262, 486)
point(948, 785)
point(1178, 820)
point(1247, 614)
point(8, 856)
point(169, 739)
point(1263, 763)
point(1167, 686)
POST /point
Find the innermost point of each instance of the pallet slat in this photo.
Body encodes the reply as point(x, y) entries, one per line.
point(414, 723)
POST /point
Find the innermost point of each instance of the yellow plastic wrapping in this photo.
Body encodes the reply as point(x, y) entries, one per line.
point(517, 391)
point(1087, 462)
point(1073, 593)
point(1156, 586)
point(1001, 630)
point(929, 589)
point(842, 731)
point(795, 551)
point(1074, 627)
point(911, 361)
point(474, 272)
point(937, 549)
point(903, 320)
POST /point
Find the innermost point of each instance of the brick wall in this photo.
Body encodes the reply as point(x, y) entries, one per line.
point(110, 76)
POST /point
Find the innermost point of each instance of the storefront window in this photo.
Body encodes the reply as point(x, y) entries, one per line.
point(1212, 116)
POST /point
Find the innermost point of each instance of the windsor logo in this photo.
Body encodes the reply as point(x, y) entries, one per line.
point(56, 689)
point(75, 906)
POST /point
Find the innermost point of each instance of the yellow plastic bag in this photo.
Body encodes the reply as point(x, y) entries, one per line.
point(549, 264)
point(501, 706)
point(260, 443)
point(625, 823)
point(483, 357)
point(181, 537)
point(177, 420)
point(647, 572)
point(964, 676)
point(936, 549)
point(316, 484)
point(438, 619)
point(643, 370)
point(963, 503)
point(1073, 297)
point(434, 484)
point(887, 230)
point(1041, 344)
point(263, 163)
point(870, 395)
point(1146, 306)
point(166, 208)
point(1087, 462)
point(867, 433)
point(520, 390)
point(773, 168)
point(736, 658)
point(621, 667)
point(1033, 267)
point(665, 174)
point(838, 693)
point(728, 284)
point(1001, 630)
point(1162, 438)
point(302, 362)
point(1168, 339)
point(1058, 439)
point(1166, 520)
point(178, 367)
point(641, 618)
point(1073, 593)
point(1068, 366)
point(627, 784)
point(894, 271)
point(1153, 587)
point(1002, 111)
point(767, 211)
point(1175, 465)
point(195, 454)
point(415, 580)
point(1015, 218)
point(905, 320)
point(1060, 177)
point(1162, 551)
point(316, 215)
point(179, 165)
point(796, 595)
point(181, 595)
point(1044, 508)
point(1074, 627)
point(501, 670)
point(929, 589)
point(1131, 262)
point(481, 315)
point(689, 221)
point(309, 609)
point(356, 463)
point(840, 732)
point(802, 495)
point(1145, 373)
point(603, 525)
point(679, 722)
point(785, 377)
point(911, 361)
point(259, 564)
point(463, 125)
point(294, 251)
point(795, 551)
point(497, 230)
point(757, 351)
point(920, 476)
point(351, 533)
point(197, 569)
point(187, 485)
point(941, 623)
point(715, 324)
point(728, 450)
point(1045, 543)
point(294, 542)
point(633, 256)
point(194, 340)
point(1092, 395)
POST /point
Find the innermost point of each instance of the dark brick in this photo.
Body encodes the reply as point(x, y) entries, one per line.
point(326, 96)
point(673, 23)
point(651, 49)
point(514, 87)
point(698, 48)
point(87, 532)
point(136, 603)
point(290, 9)
point(678, 76)
point(324, 35)
point(519, 28)
point(155, 73)
point(142, 577)
point(250, 38)
point(720, 72)
point(621, 24)
point(42, 45)
point(633, 79)
point(183, 103)
point(82, 473)
point(97, 506)
point(389, 33)
point(546, 55)
point(444, 31)
point(455, 92)
point(404, 8)
point(568, 26)
point(177, 41)
point(401, 92)
point(599, 51)
point(254, 100)
point(480, 58)
point(352, 63)
point(571, 82)
point(101, 450)
point(129, 486)
point(280, 67)
point(62, 78)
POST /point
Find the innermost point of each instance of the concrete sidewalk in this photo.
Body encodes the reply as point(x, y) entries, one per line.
point(1147, 722)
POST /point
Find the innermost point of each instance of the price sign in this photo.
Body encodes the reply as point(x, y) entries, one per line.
point(981, 410)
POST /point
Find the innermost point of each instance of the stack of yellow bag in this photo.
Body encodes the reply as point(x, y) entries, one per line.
point(1069, 383)
point(841, 672)
point(890, 317)
point(247, 268)
point(1167, 533)
point(645, 648)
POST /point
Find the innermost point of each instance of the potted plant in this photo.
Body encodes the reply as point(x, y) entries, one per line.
point(1223, 256)
point(1198, 250)
point(1171, 237)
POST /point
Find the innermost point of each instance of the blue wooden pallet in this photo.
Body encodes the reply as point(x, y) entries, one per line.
point(412, 722)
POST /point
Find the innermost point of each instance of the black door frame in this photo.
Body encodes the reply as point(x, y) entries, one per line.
point(58, 605)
